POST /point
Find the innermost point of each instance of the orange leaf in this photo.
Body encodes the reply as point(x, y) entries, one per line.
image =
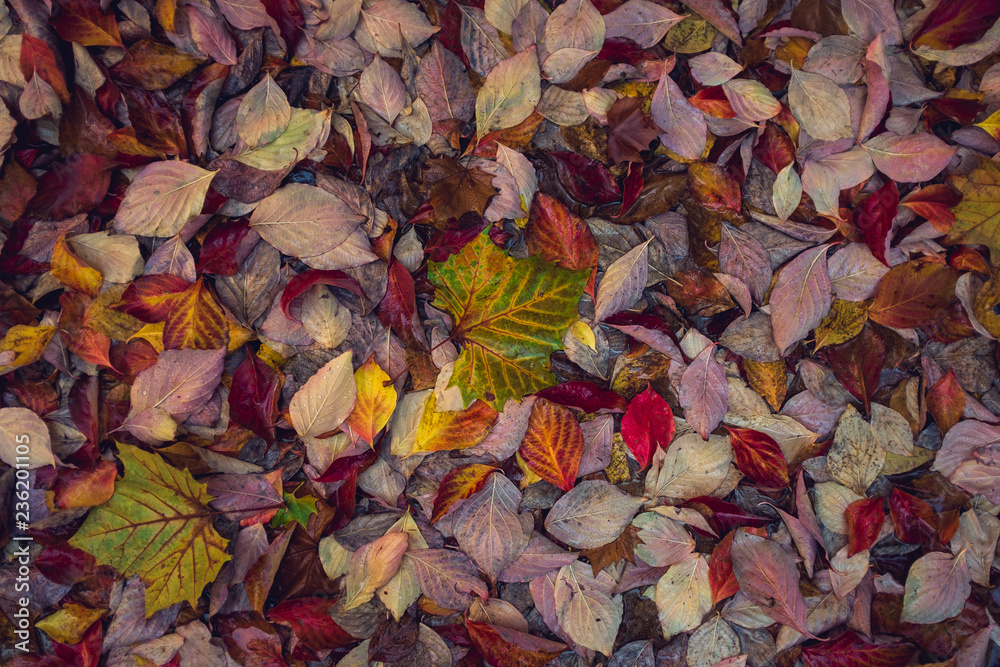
point(504, 647)
point(196, 321)
point(556, 235)
point(623, 547)
point(37, 59)
point(85, 488)
point(759, 457)
point(91, 346)
point(375, 403)
point(440, 431)
point(553, 445)
point(82, 21)
point(946, 401)
point(151, 298)
point(71, 271)
point(713, 187)
point(457, 485)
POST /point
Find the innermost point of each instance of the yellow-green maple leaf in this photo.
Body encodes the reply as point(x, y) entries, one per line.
point(156, 526)
point(510, 315)
point(977, 216)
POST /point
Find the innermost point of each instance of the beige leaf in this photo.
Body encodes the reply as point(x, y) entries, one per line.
point(585, 607)
point(163, 198)
point(683, 596)
point(831, 501)
point(820, 106)
point(712, 643)
point(592, 514)
point(891, 430)
point(304, 220)
point(264, 113)
point(372, 566)
point(324, 317)
point(977, 534)
point(306, 130)
point(689, 467)
point(855, 459)
point(117, 257)
point(39, 99)
point(382, 89)
point(326, 399)
point(575, 24)
point(787, 192)
point(510, 94)
point(334, 557)
point(623, 282)
point(501, 13)
point(24, 439)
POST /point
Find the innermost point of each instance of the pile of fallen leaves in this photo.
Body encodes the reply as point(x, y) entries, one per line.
point(499, 332)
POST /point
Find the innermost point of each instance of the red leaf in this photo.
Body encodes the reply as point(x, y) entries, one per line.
point(648, 424)
point(946, 401)
point(586, 179)
point(849, 650)
point(955, 22)
point(774, 148)
point(74, 186)
point(714, 102)
point(632, 187)
point(86, 653)
point(253, 397)
point(913, 294)
point(713, 187)
point(65, 565)
point(720, 570)
point(858, 364)
point(398, 308)
point(503, 647)
point(915, 521)
point(310, 621)
point(759, 457)
point(150, 298)
point(864, 523)
point(585, 396)
point(457, 485)
point(557, 235)
point(724, 516)
point(553, 444)
point(83, 22)
point(874, 218)
point(934, 202)
point(303, 281)
point(219, 251)
point(36, 58)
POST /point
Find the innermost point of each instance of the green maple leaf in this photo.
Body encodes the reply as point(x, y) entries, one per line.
point(296, 509)
point(156, 526)
point(510, 315)
point(977, 216)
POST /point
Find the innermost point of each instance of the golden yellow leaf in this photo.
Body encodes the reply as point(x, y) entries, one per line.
point(72, 271)
point(375, 402)
point(845, 320)
point(26, 343)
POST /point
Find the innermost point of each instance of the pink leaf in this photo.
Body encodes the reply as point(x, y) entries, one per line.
point(704, 394)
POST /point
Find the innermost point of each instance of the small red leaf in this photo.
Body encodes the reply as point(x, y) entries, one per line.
point(457, 485)
point(586, 179)
point(720, 570)
point(874, 218)
point(946, 401)
point(915, 520)
point(585, 396)
point(849, 650)
point(864, 523)
point(253, 397)
point(555, 234)
point(648, 423)
point(858, 364)
point(759, 457)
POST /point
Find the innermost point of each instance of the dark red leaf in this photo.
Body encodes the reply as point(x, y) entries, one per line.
point(630, 130)
point(151, 298)
point(632, 187)
point(585, 396)
point(915, 521)
point(253, 397)
point(398, 308)
point(946, 401)
point(874, 218)
point(219, 250)
point(311, 623)
point(586, 179)
point(849, 650)
point(858, 364)
point(723, 516)
point(720, 570)
point(557, 235)
point(955, 22)
point(864, 523)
